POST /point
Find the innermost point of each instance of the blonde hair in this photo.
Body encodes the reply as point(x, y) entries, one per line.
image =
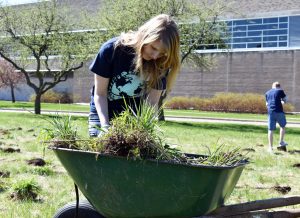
point(164, 28)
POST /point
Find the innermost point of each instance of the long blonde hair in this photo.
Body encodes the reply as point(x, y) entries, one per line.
point(164, 28)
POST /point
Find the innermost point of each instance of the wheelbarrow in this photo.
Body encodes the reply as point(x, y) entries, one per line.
point(121, 187)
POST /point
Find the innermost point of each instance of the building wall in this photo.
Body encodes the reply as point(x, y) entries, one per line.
point(244, 72)
point(257, 8)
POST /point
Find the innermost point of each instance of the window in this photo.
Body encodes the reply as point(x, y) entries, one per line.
point(266, 32)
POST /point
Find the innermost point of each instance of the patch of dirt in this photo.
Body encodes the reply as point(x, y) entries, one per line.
point(259, 145)
point(294, 151)
point(249, 149)
point(4, 132)
point(36, 162)
point(297, 165)
point(30, 130)
point(282, 189)
point(30, 195)
point(4, 174)
point(10, 150)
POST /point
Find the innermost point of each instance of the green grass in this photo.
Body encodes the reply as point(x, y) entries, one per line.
point(168, 112)
point(264, 171)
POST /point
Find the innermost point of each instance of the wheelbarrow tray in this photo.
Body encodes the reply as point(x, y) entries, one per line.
point(121, 187)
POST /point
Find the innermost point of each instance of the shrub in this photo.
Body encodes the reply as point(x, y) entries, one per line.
point(225, 102)
point(54, 97)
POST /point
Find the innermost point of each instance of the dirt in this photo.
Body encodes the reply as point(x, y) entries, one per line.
point(4, 132)
point(4, 174)
point(30, 195)
point(10, 150)
point(249, 149)
point(297, 165)
point(36, 162)
point(282, 189)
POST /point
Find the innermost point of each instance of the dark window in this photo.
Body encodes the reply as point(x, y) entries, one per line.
point(274, 32)
point(239, 34)
point(254, 21)
point(270, 44)
point(229, 23)
point(270, 20)
point(239, 22)
point(253, 39)
point(283, 25)
point(254, 45)
point(270, 38)
point(282, 44)
point(254, 33)
point(282, 38)
point(239, 28)
point(294, 36)
point(283, 19)
point(239, 40)
point(238, 45)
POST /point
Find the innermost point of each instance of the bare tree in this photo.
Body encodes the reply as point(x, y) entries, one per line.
point(9, 77)
point(43, 37)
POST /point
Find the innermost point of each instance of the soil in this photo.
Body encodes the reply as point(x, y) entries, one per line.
point(249, 149)
point(10, 150)
point(36, 162)
point(29, 196)
point(297, 165)
point(282, 189)
point(4, 174)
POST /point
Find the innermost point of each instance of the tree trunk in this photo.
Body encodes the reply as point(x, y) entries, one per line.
point(12, 91)
point(37, 104)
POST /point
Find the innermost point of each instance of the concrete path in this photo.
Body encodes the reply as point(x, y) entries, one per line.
point(169, 118)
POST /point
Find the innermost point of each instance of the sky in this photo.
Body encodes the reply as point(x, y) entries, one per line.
point(16, 2)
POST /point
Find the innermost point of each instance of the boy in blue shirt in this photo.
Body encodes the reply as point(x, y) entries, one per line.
point(275, 97)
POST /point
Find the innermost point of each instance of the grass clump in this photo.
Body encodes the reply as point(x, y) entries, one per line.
point(25, 190)
point(61, 132)
point(135, 134)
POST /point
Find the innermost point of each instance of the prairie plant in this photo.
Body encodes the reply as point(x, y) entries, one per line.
point(61, 131)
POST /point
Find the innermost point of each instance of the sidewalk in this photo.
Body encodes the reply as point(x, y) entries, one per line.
point(168, 118)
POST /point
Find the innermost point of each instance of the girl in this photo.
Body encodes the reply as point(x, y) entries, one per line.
point(132, 67)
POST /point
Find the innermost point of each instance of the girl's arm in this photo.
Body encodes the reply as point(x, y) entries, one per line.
point(100, 98)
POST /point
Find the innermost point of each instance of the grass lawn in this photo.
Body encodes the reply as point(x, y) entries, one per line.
point(257, 181)
point(168, 112)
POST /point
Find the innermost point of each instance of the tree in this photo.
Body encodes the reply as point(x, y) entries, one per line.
point(198, 23)
point(9, 77)
point(43, 37)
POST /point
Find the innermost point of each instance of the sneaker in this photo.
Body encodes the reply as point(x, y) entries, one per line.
point(282, 146)
point(283, 143)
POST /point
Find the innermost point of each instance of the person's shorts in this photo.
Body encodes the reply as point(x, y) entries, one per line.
point(274, 118)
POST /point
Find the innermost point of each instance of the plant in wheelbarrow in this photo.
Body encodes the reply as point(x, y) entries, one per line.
point(130, 171)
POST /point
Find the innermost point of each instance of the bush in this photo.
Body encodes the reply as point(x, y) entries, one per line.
point(225, 102)
point(54, 97)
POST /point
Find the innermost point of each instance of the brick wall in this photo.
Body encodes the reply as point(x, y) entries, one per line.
point(244, 72)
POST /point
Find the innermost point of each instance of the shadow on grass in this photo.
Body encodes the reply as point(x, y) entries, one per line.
point(228, 127)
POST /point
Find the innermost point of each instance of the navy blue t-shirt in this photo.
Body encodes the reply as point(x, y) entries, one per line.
point(117, 64)
point(273, 98)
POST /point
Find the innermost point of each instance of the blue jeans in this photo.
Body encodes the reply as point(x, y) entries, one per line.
point(276, 117)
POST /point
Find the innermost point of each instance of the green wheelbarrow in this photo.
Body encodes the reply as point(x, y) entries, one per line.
point(121, 187)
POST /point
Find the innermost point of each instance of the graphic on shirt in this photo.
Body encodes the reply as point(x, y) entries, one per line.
point(127, 84)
